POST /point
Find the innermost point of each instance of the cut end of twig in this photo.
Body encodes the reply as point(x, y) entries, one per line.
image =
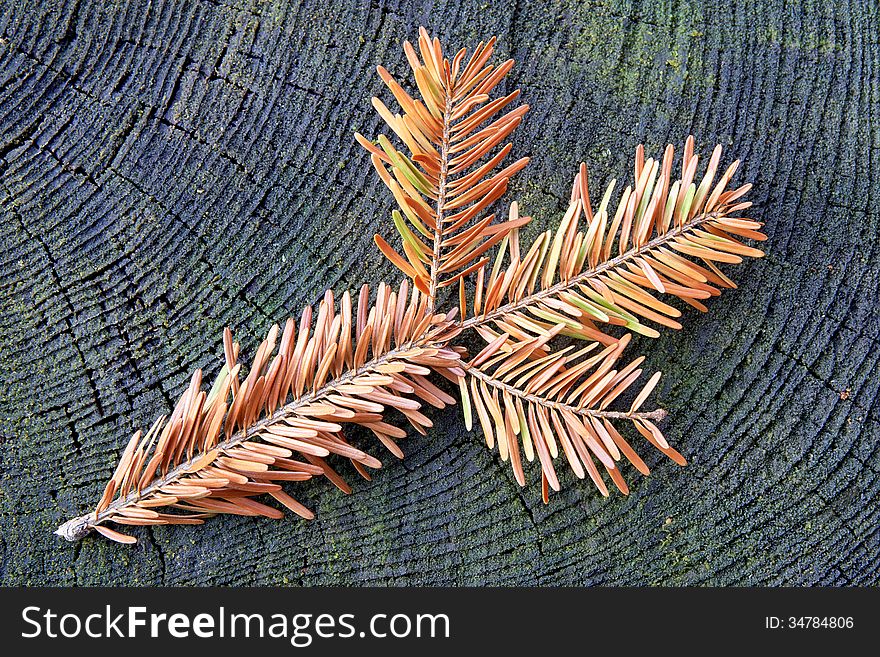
point(74, 529)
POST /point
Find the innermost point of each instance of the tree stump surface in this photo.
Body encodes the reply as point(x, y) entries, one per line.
point(170, 168)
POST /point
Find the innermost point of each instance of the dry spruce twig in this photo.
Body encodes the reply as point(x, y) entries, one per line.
point(452, 174)
point(213, 455)
point(535, 393)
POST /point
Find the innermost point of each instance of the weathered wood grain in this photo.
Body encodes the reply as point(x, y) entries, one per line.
point(168, 168)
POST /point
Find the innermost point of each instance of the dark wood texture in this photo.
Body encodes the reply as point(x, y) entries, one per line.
point(169, 168)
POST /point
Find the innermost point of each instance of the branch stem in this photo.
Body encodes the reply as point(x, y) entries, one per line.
point(441, 203)
point(655, 415)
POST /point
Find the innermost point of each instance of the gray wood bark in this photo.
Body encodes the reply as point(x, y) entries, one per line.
point(169, 168)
